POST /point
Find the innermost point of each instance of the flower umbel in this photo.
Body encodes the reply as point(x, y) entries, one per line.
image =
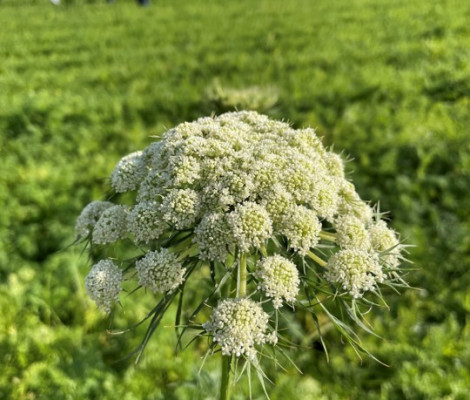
point(103, 284)
point(128, 173)
point(260, 214)
point(89, 217)
point(160, 271)
point(355, 270)
point(111, 226)
point(385, 240)
point(237, 325)
point(352, 233)
point(279, 279)
point(250, 224)
point(145, 222)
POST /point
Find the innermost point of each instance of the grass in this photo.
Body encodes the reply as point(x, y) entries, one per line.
point(82, 85)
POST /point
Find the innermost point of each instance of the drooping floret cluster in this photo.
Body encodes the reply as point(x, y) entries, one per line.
point(89, 217)
point(111, 226)
point(103, 284)
point(234, 187)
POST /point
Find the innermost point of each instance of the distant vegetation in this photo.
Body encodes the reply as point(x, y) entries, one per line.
point(82, 85)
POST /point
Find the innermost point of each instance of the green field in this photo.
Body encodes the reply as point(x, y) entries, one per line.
point(81, 85)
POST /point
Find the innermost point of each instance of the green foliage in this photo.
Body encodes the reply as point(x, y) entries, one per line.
point(83, 85)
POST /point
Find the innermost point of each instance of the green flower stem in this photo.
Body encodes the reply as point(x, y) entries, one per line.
point(191, 251)
point(228, 361)
point(184, 244)
point(328, 236)
point(263, 250)
point(226, 379)
point(242, 276)
point(317, 259)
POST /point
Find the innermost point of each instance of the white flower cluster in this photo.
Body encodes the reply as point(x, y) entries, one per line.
point(367, 246)
point(356, 270)
point(236, 180)
point(351, 204)
point(241, 173)
point(237, 325)
point(89, 217)
point(213, 236)
point(111, 226)
point(160, 271)
point(239, 183)
point(180, 208)
point(144, 222)
point(250, 224)
point(128, 173)
point(384, 240)
point(279, 279)
point(351, 232)
point(103, 284)
point(301, 227)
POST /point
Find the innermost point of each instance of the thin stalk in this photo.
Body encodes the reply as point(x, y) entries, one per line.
point(228, 361)
point(188, 252)
point(184, 244)
point(263, 250)
point(226, 378)
point(242, 276)
point(330, 237)
point(317, 259)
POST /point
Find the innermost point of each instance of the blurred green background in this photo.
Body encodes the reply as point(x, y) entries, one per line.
point(83, 84)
